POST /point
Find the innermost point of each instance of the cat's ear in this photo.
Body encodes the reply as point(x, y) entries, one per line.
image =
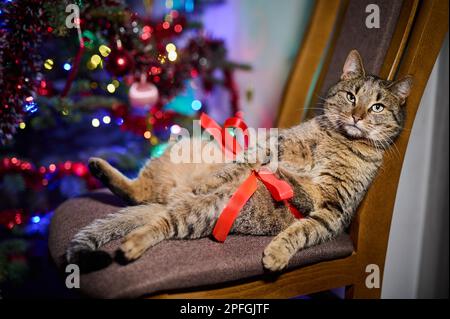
point(402, 87)
point(353, 67)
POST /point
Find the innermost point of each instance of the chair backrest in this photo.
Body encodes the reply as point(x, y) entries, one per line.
point(408, 42)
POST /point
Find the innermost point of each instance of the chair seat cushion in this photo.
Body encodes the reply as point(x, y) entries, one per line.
point(172, 264)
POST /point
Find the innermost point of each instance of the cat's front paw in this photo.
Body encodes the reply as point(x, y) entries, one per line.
point(275, 260)
point(133, 247)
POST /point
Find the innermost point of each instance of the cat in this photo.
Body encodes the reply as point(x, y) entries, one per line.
point(330, 161)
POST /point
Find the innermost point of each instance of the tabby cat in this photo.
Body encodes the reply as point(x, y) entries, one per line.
point(329, 161)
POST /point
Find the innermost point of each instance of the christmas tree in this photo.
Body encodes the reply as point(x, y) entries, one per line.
point(92, 78)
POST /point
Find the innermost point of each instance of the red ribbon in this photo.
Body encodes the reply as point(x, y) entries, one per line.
point(234, 206)
point(279, 189)
point(227, 143)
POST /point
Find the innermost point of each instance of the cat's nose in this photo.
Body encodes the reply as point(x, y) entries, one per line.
point(356, 118)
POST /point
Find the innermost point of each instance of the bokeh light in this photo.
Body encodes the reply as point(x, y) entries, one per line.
point(170, 47)
point(95, 122)
point(172, 56)
point(104, 50)
point(196, 105)
point(48, 64)
point(67, 66)
point(111, 88)
point(106, 119)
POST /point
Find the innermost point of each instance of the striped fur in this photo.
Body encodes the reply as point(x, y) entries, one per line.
point(330, 161)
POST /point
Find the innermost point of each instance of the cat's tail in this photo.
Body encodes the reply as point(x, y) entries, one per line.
point(102, 231)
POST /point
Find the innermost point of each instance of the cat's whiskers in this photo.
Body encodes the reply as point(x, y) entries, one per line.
point(321, 98)
point(315, 108)
point(329, 118)
point(391, 147)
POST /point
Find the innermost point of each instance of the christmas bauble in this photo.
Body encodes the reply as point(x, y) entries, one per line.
point(120, 62)
point(143, 94)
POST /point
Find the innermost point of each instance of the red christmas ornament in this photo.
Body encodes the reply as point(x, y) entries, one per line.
point(120, 62)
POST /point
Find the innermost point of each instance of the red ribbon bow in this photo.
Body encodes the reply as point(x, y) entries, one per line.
point(279, 189)
point(227, 142)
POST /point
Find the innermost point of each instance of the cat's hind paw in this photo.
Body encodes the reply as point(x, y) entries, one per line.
point(88, 260)
point(97, 167)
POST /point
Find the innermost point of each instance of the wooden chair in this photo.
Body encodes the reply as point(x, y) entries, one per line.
point(415, 35)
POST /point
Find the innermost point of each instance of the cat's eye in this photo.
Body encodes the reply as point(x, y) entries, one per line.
point(377, 108)
point(351, 98)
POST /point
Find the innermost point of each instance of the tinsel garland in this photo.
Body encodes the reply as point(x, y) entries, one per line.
point(22, 27)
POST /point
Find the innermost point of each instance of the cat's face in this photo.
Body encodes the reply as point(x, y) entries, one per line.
point(366, 107)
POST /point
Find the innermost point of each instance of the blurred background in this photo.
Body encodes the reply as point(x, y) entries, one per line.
point(135, 71)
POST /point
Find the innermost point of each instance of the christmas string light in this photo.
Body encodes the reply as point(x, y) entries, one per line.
point(34, 177)
point(196, 105)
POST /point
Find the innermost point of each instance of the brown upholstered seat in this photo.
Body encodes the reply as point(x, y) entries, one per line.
point(173, 264)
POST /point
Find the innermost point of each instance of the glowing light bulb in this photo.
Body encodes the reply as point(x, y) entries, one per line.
point(172, 56)
point(30, 106)
point(196, 105)
point(48, 64)
point(170, 47)
point(22, 125)
point(35, 219)
point(96, 60)
point(106, 119)
point(147, 134)
point(67, 66)
point(111, 88)
point(104, 50)
point(95, 122)
point(68, 165)
point(178, 28)
point(145, 36)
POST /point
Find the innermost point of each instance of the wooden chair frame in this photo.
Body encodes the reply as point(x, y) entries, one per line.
point(415, 45)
